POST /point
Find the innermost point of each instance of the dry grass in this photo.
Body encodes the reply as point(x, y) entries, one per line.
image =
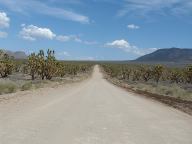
point(19, 82)
point(6, 88)
point(173, 90)
point(26, 86)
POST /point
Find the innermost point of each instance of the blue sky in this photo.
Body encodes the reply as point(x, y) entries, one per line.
point(95, 29)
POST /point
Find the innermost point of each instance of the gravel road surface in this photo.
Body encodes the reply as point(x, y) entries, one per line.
point(90, 112)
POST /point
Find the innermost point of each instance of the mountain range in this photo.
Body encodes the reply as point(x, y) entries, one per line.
point(168, 55)
point(162, 55)
point(17, 54)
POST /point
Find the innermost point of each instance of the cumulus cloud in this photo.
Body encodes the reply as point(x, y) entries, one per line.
point(121, 44)
point(4, 20)
point(3, 34)
point(133, 26)
point(127, 47)
point(75, 38)
point(4, 23)
point(63, 38)
point(32, 32)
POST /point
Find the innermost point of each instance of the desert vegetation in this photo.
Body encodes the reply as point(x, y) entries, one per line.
point(6, 64)
point(38, 69)
point(157, 79)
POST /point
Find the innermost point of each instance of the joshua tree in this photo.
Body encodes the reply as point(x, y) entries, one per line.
point(41, 64)
point(6, 64)
point(146, 73)
point(33, 65)
point(175, 75)
point(125, 72)
point(51, 67)
point(136, 75)
point(188, 74)
point(157, 72)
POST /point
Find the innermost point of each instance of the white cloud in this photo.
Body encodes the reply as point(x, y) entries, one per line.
point(90, 42)
point(162, 7)
point(4, 20)
point(33, 6)
point(121, 44)
point(4, 23)
point(79, 40)
point(3, 34)
point(90, 58)
point(133, 26)
point(66, 54)
point(32, 33)
point(75, 38)
point(63, 55)
point(86, 58)
point(63, 38)
point(127, 47)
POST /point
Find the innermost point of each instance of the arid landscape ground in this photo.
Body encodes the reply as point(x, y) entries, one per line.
point(90, 112)
point(95, 72)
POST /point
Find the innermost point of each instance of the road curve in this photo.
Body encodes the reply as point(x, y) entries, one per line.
point(90, 112)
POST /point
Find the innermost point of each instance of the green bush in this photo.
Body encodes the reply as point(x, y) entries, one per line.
point(7, 88)
point(26, 86)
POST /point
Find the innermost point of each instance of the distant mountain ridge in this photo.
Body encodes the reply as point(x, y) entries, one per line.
point(168, 55)
point(17, 54)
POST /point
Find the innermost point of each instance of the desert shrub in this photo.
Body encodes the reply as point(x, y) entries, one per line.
point(32, 65)
point(26, 86)
point(45, 65)
point(188, 74)
point(6, 88)
point(50, 65)
point(157, 79)
point(175, 75)
point(6, 64)
point(146, 73)
point(157, 72)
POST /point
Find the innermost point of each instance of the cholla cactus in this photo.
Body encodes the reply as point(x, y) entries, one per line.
point(1, 54)
point(157, 72)
point(51, 67)
point(146, 73)
point(33, 65)
point(6, 64)
point(136, 75)
point(188, 74)
point(46, 66)
point(125, 72)
point(175, 75)
point(41, 64)
point(60, 69)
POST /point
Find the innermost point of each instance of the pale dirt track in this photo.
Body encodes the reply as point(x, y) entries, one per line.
point(90, 112)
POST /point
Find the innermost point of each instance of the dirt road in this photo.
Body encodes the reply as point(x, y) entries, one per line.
point(90, 112)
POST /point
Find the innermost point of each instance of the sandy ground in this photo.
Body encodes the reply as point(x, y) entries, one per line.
point(91, 112)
